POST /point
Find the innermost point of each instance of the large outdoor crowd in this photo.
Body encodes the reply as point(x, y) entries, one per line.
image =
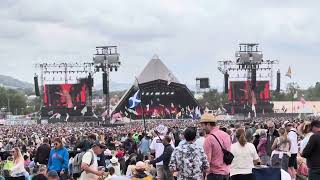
point(164, 149)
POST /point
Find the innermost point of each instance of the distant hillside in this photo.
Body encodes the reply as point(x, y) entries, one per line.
point(10, 82)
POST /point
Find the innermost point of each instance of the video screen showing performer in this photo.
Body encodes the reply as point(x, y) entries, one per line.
point(65, 95)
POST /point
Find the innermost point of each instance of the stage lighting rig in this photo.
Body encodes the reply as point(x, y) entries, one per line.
point(106, 60)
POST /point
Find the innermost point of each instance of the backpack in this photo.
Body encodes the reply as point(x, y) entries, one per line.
point(76, 165)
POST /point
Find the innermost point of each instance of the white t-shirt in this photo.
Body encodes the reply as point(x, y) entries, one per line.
point(87, 157)
point(243, 158)
point(200, 141)
point(285, 175)
point(304, 142)
point(158, 147)
point(294, 141)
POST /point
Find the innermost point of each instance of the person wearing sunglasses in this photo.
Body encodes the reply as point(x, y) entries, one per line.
point(59, 159)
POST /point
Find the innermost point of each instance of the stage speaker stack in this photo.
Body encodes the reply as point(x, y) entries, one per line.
point(253, 78)
point(278, 81)
point(36, 86)
point(105, 83)
point(204, 83)
point(226, 83)
point(90, 84)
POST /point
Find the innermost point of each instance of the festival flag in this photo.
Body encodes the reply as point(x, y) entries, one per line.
point(254, 110)
point(67, 117)
point(170, 78)
point(289, 73)
point(295, 95)
point(253, 98)
point(302, 100)
point(84, 110)
point(135, 100)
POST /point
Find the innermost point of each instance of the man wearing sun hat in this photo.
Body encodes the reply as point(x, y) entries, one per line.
point(218, 169)
point(141, 174)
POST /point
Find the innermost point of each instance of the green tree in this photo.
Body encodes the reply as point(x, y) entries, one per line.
point(213, 99)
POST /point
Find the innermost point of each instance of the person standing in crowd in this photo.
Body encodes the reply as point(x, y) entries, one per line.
point(43, 152)
point(165, 157)
point(18, 171)
point(281, 151)
point(158, 148)
point(144, 145)
point(114, 163)
point(245, 157)
point(140, 168)
point(272, 134)
point(249, 132)
point(311, 152)
point(218, 169)
point(293, 136)
point(189, 160)
point(89, 163)
point(307, 133)
point(86, 143)
point(129, 144)
point(262, 148)
point(59, 159)
point(200, 140)
point(53, 175)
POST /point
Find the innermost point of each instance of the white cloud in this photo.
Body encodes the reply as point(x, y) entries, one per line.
point(190, 36)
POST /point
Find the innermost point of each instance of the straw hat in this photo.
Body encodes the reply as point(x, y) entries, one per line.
point(208, 118)
point(140, 165)
point(114, 160)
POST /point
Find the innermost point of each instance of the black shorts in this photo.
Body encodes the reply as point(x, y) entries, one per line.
point(293, 161)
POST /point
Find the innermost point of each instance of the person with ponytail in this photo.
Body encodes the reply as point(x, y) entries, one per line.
point(281, 151)
point(245, 158)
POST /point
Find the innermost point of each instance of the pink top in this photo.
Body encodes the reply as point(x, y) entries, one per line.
point(214, 151)
point(262, 147)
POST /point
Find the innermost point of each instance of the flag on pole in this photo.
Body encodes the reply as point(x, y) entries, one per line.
point(84, 110)
point(289, 73)
point(253, 96)
point(295, 95)
point(135, 100)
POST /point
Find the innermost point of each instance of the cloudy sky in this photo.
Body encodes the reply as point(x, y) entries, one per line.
point(189, 36)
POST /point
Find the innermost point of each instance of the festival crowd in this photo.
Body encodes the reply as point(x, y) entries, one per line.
point(164, 149)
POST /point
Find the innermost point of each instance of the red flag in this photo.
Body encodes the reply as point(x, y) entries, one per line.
point(253, 98)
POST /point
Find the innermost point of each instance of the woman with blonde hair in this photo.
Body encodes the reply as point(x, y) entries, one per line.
point(306, 133)
point(281, 150)
point(18, 171)
point(245, 157)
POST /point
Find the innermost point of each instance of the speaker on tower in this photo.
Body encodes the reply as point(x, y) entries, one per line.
point(278, 81)
point(105, 83)
point(253, 78)
point(36, 86)
point(226, 82)
point(90, 84)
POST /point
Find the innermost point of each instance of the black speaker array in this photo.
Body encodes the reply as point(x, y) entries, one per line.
point(36, 86)
point(204, 83)
point(226, 82)
point(90, 84)
point(105, 83)
point(278, 81)
point(253, 78)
